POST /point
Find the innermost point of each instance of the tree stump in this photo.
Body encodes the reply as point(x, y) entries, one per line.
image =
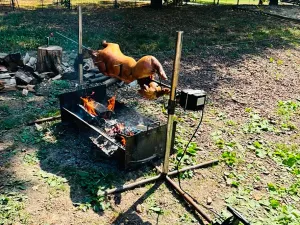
point(49, 59)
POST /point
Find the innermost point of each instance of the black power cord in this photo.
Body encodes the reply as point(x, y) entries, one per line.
point(179, 162)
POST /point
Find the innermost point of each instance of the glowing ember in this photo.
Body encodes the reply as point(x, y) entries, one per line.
point(111, 103)
point(119, 128)
point(89, 105)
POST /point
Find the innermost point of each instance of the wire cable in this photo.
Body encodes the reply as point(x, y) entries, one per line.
point(179, 162)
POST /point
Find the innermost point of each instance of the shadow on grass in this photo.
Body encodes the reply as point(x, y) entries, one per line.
point(131, 216)
point(74, 157)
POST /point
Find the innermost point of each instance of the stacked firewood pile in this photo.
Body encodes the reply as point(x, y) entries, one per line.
point(19, 72)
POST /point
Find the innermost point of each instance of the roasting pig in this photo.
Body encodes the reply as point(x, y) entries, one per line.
point(112, 62)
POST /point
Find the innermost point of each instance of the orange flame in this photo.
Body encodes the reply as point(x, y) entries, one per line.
point(111, 103)
point(89, 105)
point(123, 141)
point(120, 126)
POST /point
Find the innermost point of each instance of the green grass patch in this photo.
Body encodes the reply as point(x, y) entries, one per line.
point(257, 125)
point(29, 136)
point(9, 123)
point(4, 108)
point(288, 108)
point(12, 208)
point(288, 155)
point(31, 158)
point(230, 158)
point(261, 149)
point(138, 34)
point(55, 182)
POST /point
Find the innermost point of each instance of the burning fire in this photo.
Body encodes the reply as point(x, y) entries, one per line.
point(111, 103)
point(120, 128)
point(123, 141)
point(89, 105)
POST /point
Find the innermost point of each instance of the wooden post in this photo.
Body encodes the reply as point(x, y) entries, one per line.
point(80, 57)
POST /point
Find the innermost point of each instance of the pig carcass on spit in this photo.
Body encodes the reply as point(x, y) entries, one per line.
point(112, 62)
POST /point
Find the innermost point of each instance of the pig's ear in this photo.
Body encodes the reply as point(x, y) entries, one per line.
point(104, 44)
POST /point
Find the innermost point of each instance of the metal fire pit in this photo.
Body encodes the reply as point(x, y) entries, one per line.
point(147, 142)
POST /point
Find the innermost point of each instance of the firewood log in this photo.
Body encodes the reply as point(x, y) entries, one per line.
point(49, 59)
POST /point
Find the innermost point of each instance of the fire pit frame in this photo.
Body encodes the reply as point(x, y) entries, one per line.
point(140, 148)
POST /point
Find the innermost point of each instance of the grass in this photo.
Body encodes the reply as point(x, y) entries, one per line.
point(288, 155)
point(133, 37)
point(4, 109)
point(287, 109)
point(257, 124)
point(31, 110)
point(55, 182)
point(11, 208)
point(228, 2)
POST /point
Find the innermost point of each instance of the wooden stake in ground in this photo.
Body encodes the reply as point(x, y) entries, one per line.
point(49, 59)
point(80, 56)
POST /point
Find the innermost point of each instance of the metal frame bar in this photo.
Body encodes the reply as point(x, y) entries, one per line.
point(188, 199)
point(95, 129)
point(201, 165)
point(149, 180)
point(172, 102)
point(132, 185)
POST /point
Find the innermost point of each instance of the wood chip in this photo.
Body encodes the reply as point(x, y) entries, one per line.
point(28, 87)
point(139, 208)
point(209, 201)
point(25, 92)
point(3, 69)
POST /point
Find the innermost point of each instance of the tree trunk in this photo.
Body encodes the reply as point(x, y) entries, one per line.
point(273, 2)
point(156, 4)
point(49, 59)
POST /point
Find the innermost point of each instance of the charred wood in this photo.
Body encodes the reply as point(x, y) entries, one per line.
point(110, 82)
point(88, 76)
point(99, 79)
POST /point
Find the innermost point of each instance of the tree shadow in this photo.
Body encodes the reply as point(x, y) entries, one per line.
point(131, 216)
point(74, 157)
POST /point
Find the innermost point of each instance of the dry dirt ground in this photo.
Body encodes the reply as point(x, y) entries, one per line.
point(50, 173)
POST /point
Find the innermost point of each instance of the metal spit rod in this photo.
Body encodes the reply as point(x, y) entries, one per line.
point(75, 42)
point(95, 129)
